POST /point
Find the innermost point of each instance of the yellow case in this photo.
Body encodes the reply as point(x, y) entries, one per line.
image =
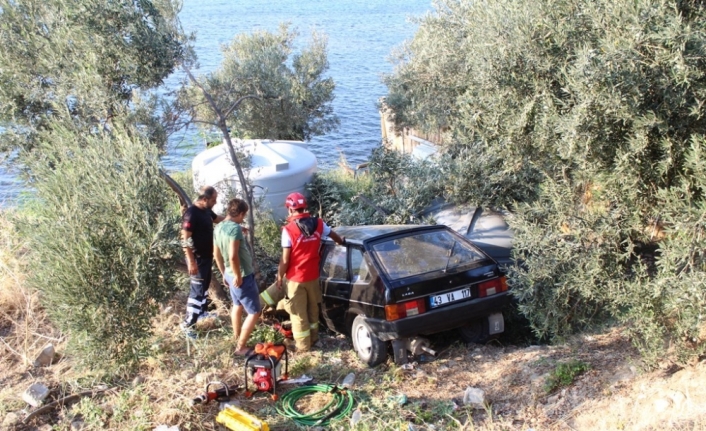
point(235, 419)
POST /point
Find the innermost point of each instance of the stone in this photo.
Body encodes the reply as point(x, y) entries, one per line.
point(108, 408)
point(138, 380)
point(11, 419)
point(661, 404)
point(452, 363)
point(46, 356)
point(35, 394)
point(553, 399)
point(355, 418)
point(475, 398)
point(677, 398)
point(230, 403)
point(77, 425)
point(166, 428)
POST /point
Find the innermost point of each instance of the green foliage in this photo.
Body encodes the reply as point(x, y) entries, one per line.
point(301, 365)
point(333, 196)
point(101, 241)
point(265, 334)
point(564, 374)
point(83, 61)
point(393, 191)
point(586, 119)
point(672, 300)
point(290, 96)
point(268, 244)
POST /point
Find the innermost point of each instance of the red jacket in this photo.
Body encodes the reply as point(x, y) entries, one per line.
point(304, 258)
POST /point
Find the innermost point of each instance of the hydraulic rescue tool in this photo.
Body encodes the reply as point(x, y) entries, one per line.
point(221, 394)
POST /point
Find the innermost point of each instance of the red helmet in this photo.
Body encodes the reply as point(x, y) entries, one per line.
point(295, 201)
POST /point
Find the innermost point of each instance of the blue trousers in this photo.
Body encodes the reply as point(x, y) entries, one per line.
point(199, 283)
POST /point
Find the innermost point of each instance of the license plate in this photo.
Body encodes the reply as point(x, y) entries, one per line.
point(448, 297)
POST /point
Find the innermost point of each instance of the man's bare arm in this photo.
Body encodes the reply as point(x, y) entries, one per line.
point(234, 251)
point(187, 242)
point(337, 238)
point(218, 256)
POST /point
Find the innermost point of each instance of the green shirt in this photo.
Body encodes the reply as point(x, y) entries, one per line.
point(225, 232)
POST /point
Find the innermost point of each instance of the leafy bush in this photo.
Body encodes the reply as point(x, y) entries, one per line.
point(268, 244)
point(564, 374)
point(265, 334)
point(102, 240)
point(393, 191)
point(590, 116)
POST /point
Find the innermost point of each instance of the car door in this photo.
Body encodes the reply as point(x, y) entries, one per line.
point(335, 285)
point(344, 272)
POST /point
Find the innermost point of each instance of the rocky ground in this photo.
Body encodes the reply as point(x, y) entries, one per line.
point(606, 388)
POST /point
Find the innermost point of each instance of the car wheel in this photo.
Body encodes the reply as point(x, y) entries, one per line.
point(370, 349)
point(475, 331)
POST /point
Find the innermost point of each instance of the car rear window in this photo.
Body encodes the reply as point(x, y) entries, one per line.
point(424, 252)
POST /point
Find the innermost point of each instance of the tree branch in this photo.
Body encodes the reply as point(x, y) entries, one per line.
point(63, 401)
point(238, 102)
point(206, 94)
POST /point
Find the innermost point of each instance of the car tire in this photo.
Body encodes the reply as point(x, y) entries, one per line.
point(475, 331)
point(370, 349)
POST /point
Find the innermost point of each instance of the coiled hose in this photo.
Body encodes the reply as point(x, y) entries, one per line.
point(340, 406)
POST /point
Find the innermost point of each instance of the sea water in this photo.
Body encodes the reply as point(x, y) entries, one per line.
point(361, 36)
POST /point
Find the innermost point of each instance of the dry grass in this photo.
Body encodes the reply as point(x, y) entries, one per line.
point(613, 394)
point(24, 326)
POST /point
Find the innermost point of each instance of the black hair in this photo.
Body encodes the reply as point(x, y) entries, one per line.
point(206, 193)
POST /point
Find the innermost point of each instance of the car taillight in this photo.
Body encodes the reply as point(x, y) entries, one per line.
point(488, 288)
point(405, 309)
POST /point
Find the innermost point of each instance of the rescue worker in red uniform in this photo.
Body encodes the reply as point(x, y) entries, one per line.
point(301, 238)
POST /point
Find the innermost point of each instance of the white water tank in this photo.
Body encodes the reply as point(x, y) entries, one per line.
point(277, 168)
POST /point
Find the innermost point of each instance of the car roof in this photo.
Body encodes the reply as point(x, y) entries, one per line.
point(361, 233)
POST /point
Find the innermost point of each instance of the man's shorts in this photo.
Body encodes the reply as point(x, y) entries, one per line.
point(246, 295)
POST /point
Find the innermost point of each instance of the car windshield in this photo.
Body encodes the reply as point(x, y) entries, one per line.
point(424, 252)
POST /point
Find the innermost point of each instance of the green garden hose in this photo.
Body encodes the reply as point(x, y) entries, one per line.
point(340, 406)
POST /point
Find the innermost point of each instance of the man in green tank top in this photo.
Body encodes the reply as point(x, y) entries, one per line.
point(235, 263)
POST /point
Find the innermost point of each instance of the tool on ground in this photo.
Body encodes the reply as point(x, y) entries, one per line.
point(221, 394)
point(265, 366)
point(340, 405)
point(284, 328)
point(236, 419)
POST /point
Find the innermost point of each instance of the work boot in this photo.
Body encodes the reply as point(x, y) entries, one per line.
point(314, 337)
point(188, 331)
point(289, 344)
point(303, 344)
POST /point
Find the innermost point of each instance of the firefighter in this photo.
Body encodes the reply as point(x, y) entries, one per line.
point(301, 238)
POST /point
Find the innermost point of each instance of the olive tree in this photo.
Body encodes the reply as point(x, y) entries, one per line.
point(589, 115)
point(101, 244)
point(82, 61)
point(263, 89)
point(73, 110)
